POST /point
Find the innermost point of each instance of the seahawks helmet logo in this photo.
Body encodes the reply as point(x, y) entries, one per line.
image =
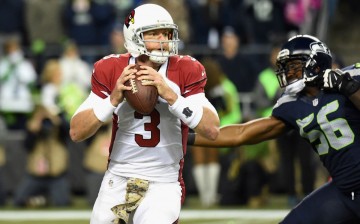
point(319, 47)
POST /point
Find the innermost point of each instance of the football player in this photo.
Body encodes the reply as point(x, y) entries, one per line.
point(143, 182)
point(323, 106)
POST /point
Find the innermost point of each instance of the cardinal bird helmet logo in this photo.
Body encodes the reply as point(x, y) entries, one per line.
point(130, 18)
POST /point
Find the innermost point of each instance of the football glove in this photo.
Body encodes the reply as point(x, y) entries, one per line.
point(340, 81)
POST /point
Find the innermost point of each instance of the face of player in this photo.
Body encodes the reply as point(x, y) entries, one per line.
point(157, 39)
point(294, 70)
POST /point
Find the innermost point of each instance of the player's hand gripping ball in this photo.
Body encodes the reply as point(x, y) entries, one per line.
point(141, 98)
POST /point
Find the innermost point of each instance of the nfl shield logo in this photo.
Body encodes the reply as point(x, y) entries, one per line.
point(315, 102)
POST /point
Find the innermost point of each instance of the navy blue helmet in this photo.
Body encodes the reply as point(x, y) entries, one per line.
point(314, 57)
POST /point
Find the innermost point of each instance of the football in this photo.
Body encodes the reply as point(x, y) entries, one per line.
point(141, 98)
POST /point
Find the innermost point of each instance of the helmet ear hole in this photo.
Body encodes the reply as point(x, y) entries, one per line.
point(311, 67)
point(310, 63)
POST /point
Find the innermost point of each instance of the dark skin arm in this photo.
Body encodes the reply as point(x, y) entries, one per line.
point(355, 99)
point(248, 133)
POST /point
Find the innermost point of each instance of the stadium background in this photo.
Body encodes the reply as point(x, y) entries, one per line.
point(340, 35)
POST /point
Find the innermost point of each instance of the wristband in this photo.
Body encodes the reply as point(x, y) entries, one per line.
point(191, 138)
point(103, 109)
point(189, 112)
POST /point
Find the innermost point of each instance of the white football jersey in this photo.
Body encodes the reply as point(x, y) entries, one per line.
point(153, 146)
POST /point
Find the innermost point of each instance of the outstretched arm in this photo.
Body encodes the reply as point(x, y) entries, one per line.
point(355, 98)
point(248, 133)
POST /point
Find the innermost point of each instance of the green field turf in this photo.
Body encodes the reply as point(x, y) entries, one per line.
point(182, 222)
point(192, 213)
point(218, 216)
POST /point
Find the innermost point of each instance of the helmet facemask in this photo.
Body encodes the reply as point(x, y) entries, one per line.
point(287, 66)
point(167, 47)
point(314, 69)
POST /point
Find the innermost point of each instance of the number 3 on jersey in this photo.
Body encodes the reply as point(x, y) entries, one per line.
point(151, 126)
point(335, 133)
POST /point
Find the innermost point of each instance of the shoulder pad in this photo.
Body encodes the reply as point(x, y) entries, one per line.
point(353, 70)
point(351, 67)
point(285, 98)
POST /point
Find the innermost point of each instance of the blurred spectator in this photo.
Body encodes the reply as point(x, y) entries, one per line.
point(89, 23)
point(222, 94)
point(17, 78)
point(242, 69)
point(179, 13)
point(75, 83)
point(265, 19)
point(296, 155)
point(41, 17)
point(51, 79)
point(11, 21)
point(199, 23)
point(249, 166)
point(47, 159)
point(207, 18)
point(267, 89)
point(74, 69)
point(266, 92)
point(3, 194)
point(117, 40)
point(123, 7)
point(46, 163)
point(3, 135)
point(310, 16)
point(74, 88)
point(249, 176)
point(95, 161)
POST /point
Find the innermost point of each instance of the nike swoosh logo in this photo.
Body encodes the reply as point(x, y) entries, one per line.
point(187, 91)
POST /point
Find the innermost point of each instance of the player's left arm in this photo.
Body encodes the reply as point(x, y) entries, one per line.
point(251, 132)
point(344, 83)
point(355, 98)
point(196, 112)
point(199, 114)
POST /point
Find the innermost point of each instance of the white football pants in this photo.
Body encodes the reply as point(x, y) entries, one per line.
point(161, 204)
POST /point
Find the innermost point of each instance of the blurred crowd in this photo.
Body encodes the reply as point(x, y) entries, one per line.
point(47, 51)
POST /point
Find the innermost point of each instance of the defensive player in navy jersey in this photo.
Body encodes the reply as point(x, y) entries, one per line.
point(323, 106)
point(143, 183)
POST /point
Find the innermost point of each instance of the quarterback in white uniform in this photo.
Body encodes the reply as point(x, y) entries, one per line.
point(143, 183)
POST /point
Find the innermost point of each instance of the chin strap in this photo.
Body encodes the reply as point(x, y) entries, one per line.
point(159, 57)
